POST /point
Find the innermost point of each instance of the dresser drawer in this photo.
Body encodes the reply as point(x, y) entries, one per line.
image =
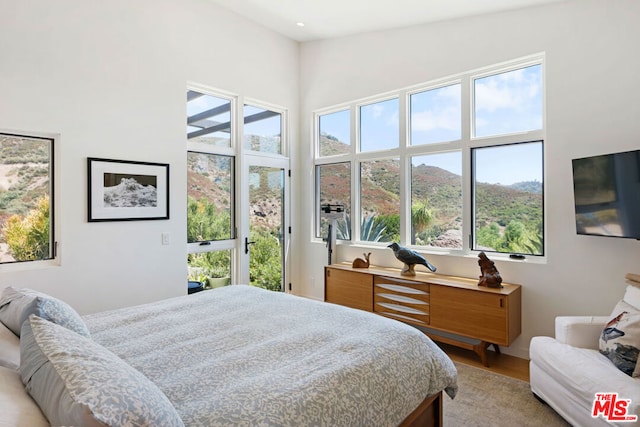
point(403, 300)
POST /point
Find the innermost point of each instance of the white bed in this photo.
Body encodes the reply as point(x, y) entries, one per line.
point(245, 356)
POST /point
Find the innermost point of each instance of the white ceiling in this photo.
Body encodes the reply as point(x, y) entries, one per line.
point(335, 18)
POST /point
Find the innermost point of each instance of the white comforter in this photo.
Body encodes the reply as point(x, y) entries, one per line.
point(245, 356)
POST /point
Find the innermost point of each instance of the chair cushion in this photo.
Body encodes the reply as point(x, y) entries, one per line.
point(620, 338)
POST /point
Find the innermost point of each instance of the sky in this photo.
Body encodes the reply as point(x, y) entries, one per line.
point(269, 127)
point(504, 103)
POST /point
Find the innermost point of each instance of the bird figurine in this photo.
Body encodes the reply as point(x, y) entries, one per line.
point(410, 259)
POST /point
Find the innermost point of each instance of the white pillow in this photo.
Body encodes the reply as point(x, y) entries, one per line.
point(18, 409)
point(9, 349)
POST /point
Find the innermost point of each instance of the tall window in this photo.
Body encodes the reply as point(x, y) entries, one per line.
point(508, 178)
point(436, 200)
point(210, 188)
point(26, 198)
point(411, 164)
point(380, 200)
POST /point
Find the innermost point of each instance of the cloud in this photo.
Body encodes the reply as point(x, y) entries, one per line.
point(377, 110)
point(446, 118)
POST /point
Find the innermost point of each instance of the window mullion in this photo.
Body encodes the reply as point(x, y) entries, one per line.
point(467, 203)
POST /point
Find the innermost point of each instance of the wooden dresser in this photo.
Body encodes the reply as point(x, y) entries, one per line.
point(449, 309)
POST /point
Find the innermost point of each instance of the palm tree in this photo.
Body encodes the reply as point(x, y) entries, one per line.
point(421, 218)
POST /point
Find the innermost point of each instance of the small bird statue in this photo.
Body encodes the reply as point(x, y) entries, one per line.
point(410, 259)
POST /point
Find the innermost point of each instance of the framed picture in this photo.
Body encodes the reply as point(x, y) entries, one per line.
point(121, 190)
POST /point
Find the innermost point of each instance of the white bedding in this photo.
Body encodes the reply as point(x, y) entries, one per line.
point(240, 355)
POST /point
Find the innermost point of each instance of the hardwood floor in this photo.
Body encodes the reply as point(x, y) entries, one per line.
point(503, 364)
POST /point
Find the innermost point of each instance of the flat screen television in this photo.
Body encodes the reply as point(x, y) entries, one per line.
point(606, 190)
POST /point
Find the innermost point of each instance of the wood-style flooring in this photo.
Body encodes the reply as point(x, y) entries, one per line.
point(503, 364)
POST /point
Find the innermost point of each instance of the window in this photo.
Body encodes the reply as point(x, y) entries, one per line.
point(210, 180)
point(436, 200)
point(26, 198)
point(334, 189)
point(262, 130)
point(335, 137)
point(507, 196)
point(508, 102)
point(379, 200)
point(379, 125)
point(210, 188)
point(436, 115)
point(208, 119)
point(484, 127)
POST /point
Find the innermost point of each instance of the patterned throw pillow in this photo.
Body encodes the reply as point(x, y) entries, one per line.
point(77, 382)
point(17, 304)
point(620, 338)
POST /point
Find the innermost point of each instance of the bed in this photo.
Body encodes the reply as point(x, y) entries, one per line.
point(237, 355)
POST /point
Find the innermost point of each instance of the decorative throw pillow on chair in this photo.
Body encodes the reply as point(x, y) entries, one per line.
point(620, 338)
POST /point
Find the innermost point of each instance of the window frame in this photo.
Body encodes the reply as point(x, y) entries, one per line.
point(231, 152)
point(54, 258)
point(406, 151)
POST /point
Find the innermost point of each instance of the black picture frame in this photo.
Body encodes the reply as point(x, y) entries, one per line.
point(124, 190)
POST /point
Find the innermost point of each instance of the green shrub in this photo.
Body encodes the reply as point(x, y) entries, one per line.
point(28, 237)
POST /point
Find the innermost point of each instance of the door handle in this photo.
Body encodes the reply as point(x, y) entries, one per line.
point(246, 245)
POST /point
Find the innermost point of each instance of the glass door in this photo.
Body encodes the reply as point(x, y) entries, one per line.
point(265, 239)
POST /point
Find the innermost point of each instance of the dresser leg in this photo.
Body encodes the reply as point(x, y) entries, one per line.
point(481, 350)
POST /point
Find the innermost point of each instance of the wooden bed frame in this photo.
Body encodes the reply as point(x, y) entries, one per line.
point(428, 414)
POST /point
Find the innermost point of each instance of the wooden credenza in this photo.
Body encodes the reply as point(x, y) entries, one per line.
point(449, 309)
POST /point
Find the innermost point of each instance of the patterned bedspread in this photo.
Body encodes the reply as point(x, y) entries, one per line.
point(240, 355)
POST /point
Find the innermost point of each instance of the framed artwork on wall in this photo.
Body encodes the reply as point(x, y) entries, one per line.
point(122, 190)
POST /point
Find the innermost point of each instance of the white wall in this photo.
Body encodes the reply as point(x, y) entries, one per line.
point(110, 77)
point(592, 70)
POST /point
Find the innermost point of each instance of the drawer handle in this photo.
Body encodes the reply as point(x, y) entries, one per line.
point(401, 288)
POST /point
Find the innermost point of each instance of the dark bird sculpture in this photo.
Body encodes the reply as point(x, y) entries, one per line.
point(410, 259)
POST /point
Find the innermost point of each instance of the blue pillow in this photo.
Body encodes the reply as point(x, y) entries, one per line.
point(16, 305)
point(77, 382)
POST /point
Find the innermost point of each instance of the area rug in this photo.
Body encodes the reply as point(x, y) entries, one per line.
point(488, 399)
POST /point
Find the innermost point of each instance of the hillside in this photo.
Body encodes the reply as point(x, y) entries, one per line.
point(441, 191)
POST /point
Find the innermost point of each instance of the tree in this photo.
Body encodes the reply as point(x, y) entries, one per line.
point(421, 218)
point(514, 237)
point(206, 222)
point(28, 237)
point(266, 261)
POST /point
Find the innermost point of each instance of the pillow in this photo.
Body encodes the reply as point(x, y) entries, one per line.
point(18, 408)
point(77, 382)
point(9, 349)
point(17, 304)
point(620, 338)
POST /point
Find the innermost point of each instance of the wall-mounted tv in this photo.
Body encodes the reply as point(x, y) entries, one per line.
point(606, 190)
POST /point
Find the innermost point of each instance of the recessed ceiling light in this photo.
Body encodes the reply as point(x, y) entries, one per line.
point(300, 24)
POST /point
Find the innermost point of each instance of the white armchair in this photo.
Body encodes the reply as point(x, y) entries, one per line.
point(567, 371)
